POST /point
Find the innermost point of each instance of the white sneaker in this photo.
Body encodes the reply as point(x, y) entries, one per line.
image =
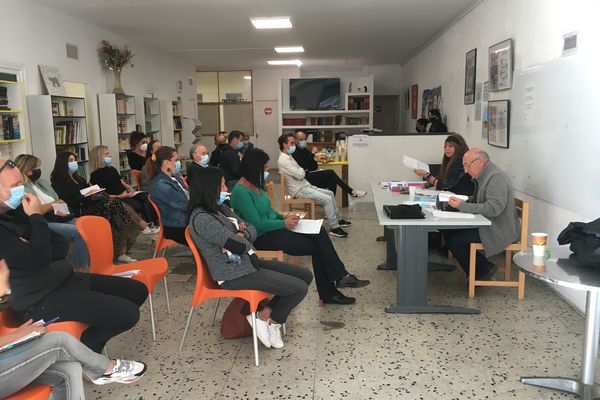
point(262, 330)
point(150, 230)
point(275, 336)
point(124, 371)
point(358, 194)
point(124, 258)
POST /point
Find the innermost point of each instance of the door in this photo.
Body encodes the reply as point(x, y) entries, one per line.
point(266, 127)
point(385, 113)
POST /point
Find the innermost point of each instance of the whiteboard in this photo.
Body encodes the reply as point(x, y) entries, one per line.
point(554, 151)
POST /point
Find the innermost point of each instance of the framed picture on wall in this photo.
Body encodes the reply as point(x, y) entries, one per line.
point(414, 101)
point(501, 66)
point(498, 123)
point(52, 80)
point(470, 75)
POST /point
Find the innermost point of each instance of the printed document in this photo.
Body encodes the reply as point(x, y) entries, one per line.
point(414, 164)
point(60, 208)
point(452, 214)
point(445, 196)
point(308, 226)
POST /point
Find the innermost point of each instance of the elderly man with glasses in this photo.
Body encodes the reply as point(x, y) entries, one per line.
point(493, 198)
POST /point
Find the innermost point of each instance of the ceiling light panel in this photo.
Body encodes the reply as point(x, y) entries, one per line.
point(290, 49)
point(285, 62)
point(272, 23)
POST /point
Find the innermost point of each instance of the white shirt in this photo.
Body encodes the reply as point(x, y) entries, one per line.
point(294, 174)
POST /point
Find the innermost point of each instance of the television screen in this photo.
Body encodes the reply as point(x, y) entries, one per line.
point(315, 94)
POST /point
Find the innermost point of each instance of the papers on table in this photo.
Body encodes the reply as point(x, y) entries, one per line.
point(452, 214)
point(308, 226)
point(89, 190)
point(60, 208)
point(445, 196)
point(414, 164)
point(127, 274)
point(427, 192)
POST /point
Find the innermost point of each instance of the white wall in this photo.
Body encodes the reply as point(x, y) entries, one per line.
point(37, 35)
point(537, 28)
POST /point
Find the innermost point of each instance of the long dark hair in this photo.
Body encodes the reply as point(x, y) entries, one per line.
point(253, 166)
point(460, 148)
point(162, 154)
point(135, 137)
point(61, 168)
point(204, 189)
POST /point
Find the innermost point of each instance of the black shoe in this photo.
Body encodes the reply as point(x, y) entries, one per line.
point(338, 232)
point(344, 224)
point(339, 299)
point(487, 273)
point(351, 281)
point(380, 238)
point(385, 267)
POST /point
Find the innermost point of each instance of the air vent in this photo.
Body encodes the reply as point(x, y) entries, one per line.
point(72, 51)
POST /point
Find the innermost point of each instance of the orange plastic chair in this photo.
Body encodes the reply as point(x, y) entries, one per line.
point(9, 321)
point(207, 289)
point(137, 177)
point(32, 392)
point(97, 235)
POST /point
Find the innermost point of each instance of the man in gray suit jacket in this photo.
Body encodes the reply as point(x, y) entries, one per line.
point(493, 198)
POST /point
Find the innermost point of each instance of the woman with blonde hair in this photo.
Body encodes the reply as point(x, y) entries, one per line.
point(63, 224)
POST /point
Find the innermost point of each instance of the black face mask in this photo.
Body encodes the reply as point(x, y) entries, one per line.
point(35, 175)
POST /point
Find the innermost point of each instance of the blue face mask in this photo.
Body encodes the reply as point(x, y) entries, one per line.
point(16, 196)
point(291, 150)
point(302, 144)
point(204, 160)
point(73, 166)
point(177, 167)
point(222, 197)
point(107, 161)
point(240, 145)
point(265, 175)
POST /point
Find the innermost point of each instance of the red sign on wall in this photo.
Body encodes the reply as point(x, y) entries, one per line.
point(268, 111)
point(414, 100)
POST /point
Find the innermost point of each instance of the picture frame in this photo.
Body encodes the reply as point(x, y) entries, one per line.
point(470, 76)
point(414, 101)
point(501, 65)
point(499, 123)
point(52, 80)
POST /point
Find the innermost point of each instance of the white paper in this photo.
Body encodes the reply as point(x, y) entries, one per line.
point(127, 274)
point(529, 103)
point(451, 214)
point(427, 192)
point(88, 190)
point(414, 164)
point(359, 141)
point(61, 208)
point(308, 226)
point(136, 192)
point(486, 91)
point(445, 196)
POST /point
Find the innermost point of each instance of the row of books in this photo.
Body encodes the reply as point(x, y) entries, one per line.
point(177, 122)
point(122, 126)
point(10, 128)
point(4, 98)
point(176, 109)
point(123, 143)
point(122, 106)
point(80, 151)
point(62, 109)
point(317, 121)
point(358, 103)
point(69, 132)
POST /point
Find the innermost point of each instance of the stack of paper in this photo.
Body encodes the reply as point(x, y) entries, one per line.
point(308, 226)
point(127, 274)
point(452, 214)
point(445, 196)
point(414, 164)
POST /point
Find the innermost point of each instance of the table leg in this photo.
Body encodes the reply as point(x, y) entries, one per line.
point(586, 388)
point(390, 250)
point(412, 254)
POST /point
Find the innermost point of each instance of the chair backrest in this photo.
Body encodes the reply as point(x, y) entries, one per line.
point(270, 189)
point(203, 279)
point(523, 212)
point(97, 235)
point(282, 189)
point(156, 210)
point(137, 177)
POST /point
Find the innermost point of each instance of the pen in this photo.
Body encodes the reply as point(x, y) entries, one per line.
point(51, 321)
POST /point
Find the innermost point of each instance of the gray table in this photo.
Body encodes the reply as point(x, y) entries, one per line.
point(411, 253)
point(560, 270)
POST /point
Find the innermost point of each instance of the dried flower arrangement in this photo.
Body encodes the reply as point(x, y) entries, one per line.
point(114, 58)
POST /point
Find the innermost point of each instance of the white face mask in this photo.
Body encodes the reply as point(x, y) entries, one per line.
point(144, 147)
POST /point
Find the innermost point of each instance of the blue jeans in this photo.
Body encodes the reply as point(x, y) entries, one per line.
point(70, 232)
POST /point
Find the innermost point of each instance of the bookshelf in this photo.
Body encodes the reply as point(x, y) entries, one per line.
point(152, 118)
point(177, 124)
point(59, 123)
point(12, 111)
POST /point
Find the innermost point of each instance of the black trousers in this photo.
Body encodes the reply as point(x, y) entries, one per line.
point(459, 243)
point(109, 304)
point(327, 179)
point(176, 234)
point(142, 207)
point(327, 265)
point(288, 282)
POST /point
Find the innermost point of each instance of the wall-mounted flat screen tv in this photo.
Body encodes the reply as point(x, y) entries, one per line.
point(315, 94)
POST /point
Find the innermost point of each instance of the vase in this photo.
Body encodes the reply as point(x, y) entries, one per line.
point(118, 89)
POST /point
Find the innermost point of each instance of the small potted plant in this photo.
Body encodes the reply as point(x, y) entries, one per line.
point(115, 58)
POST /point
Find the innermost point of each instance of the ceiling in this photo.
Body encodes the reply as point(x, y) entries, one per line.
point(217, 34)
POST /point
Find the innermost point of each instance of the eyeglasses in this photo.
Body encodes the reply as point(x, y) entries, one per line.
point(467, 165)
point(9, 163)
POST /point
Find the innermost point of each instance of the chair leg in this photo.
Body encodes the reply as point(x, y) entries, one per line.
point(187, 325)
point(254, 339)
point(521, 287)
point(472, 263)
point(212, 321)
point(152, 317)
point(167, 295)
point(283, 329)
point(507, 262)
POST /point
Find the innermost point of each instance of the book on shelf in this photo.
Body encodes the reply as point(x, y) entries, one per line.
point(177, 122)
point(62, 108)
point(10, 128)
point(69, 132)
point(122, 125)
point(121, 105)
point(294, 121)
point(176, 109)
point(4, 98)
point(358, 102)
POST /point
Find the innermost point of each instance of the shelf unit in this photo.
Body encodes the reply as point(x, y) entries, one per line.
point(58, 122)
point(12, 115)
point(152, 118)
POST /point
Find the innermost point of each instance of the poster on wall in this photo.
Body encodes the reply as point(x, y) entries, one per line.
point(432, 99)
point(52, 80)
point(501, 66)
point(470, 74)
point(484, 122)
point(498, 115)
point(414, 100)
point(478, 90)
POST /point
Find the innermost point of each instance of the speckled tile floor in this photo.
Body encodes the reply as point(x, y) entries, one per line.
point(359, 351)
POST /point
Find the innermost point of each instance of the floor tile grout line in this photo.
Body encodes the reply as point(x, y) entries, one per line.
point(233, 364)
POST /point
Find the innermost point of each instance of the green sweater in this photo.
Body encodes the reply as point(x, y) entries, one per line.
point(256, 209)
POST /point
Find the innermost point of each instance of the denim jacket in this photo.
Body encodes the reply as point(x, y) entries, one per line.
point(171, 200)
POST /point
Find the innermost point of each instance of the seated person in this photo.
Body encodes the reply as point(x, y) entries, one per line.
point(200, 158)
point(107, 177)
point(298, 187)
point(324, 178)
point(421, 125)
point(247, 144)
point(493, 198)
point(125, 224)
point(136, 156)
point(230, 158)
point(170, 193)
point(43, 284)
point(437, 125)
point(251, 203)
point(220, 144)
point(452, 176)
point(147, 183)
point(62, 224)
point(56, 359)
point(225, 242)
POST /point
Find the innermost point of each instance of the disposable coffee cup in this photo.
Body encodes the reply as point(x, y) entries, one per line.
point(539, 264)
point(538, 241)
point(412, 191)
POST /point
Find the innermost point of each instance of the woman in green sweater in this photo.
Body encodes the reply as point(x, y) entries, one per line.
point(252, 204)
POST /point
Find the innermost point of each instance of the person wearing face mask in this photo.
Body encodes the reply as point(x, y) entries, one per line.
point(107, 177)
point(124, 222)
point(170, 193)
point(200, 157)
point(220, 144)
point(323, 178)
point(230, 159)
point(247, 144)
point(136, 157)
point(421, 125)
point(437, 125)
point(152, 147)
point(60, 223)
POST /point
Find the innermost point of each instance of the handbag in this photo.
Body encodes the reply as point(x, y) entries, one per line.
point(584, 239)
point(94, 198)
point(234, 323)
